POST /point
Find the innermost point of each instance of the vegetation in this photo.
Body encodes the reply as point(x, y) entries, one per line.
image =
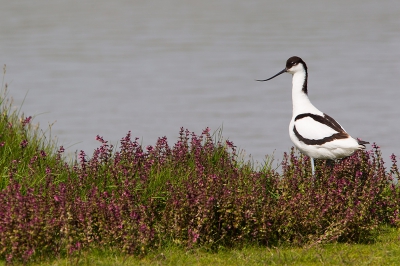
point(385, 251)
point(197, 194)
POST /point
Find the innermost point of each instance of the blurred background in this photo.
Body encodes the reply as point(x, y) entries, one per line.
point(102, 67)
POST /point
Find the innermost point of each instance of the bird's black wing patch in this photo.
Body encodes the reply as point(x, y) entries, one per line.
point(326, 120)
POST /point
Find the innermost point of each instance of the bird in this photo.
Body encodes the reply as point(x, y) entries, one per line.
point(313, 132)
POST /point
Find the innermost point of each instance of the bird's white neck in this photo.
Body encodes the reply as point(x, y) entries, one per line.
point(301, 103)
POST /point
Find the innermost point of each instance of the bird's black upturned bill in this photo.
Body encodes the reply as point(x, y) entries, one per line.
point(283, 71)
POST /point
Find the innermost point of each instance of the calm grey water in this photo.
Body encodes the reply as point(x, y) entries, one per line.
point(103, 68)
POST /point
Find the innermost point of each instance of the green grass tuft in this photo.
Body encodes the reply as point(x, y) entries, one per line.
point(385, 251)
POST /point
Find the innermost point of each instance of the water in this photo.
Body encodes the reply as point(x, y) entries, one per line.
point(107, 67)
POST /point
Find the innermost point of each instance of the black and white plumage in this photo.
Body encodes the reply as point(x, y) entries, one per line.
point(313, 132)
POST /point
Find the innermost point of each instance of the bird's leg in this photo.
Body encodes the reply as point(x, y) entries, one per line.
point(312, 165)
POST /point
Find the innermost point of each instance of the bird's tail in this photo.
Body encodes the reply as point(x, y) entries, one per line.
point(362, 143)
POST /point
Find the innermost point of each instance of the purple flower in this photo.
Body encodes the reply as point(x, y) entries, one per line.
point(26, 121)
point(23, 143)
point(61, 149)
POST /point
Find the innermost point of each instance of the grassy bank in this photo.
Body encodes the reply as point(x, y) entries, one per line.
point(384, 251)
point(196, 196)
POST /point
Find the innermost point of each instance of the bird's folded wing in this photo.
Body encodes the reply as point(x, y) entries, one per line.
point(309, 128)
point(315, 129)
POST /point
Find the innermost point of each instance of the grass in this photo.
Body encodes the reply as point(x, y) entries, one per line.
point(194, 202)
point(385, 251)
point(23, 145)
